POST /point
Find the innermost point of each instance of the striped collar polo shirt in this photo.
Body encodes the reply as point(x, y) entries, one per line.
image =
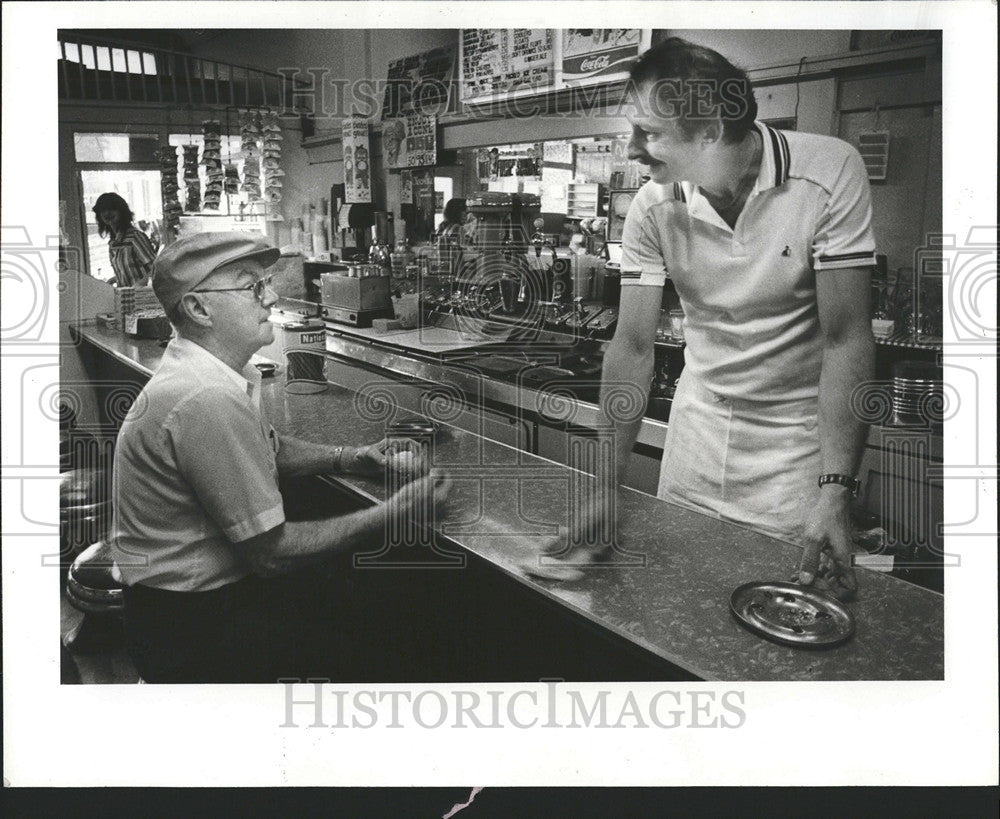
point(749, 292)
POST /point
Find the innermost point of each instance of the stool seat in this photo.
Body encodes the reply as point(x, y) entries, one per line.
point(86, 486)
point(91, 585)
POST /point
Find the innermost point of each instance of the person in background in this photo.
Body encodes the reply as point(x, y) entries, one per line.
point(452, 228)
point(450, 237)
point(152, 229)
point(767, 238)
point(131, 251)
point(199, 534)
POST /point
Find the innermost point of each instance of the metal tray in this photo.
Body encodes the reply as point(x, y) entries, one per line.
point(791, 614)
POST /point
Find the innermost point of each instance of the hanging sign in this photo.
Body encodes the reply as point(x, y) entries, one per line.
point(592, 55)
point(420, 83)
point(357, 161)
point(409, 141)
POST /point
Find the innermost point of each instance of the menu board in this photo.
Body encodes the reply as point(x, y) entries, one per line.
point(409, 141)
point(591, 55)
point(505, 62)
point(357, 161)
point(421, 83)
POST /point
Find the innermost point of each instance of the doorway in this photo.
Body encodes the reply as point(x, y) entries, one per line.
point(140, 188)
point(443, 187)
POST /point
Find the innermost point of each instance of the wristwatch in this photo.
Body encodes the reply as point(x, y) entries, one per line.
point(853, 484)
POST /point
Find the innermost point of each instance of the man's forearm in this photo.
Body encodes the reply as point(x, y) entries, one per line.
point(628, 369)
point(297, 458)
point(298, 544)
point(846, 364)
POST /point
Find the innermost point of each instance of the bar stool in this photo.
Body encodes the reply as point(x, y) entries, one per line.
point(84, 510)
point(92, 588)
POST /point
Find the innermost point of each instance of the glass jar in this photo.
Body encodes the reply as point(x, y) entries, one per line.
point(677, 324)
point(663, 326)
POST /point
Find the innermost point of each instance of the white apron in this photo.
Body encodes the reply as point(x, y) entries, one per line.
point(753, 463)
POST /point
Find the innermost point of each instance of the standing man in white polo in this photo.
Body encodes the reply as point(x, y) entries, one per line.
point(767, 238)
point(198, 518)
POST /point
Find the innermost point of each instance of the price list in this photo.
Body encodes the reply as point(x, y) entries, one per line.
point(501, 61)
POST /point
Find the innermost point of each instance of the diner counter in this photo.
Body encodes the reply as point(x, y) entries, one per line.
point(673, 605)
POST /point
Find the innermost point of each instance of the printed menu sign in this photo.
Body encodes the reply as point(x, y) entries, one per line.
point(409, 141)
point(600, 54)
point(420, 83)
point(357, 161)
point(505, 61)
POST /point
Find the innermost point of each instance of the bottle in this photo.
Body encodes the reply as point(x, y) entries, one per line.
point(400, 259)
point(508, 246)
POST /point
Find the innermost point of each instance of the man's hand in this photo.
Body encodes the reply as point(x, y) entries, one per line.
point(826, 561)
point(422, 497)
point(585, 543)
point(401, 455)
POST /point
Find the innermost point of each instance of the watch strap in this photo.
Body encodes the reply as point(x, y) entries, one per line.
point(848, 481)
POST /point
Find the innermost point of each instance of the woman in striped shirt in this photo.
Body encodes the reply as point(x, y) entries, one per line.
point(131, 251)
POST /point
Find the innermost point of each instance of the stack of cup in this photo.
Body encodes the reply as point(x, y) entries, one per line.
point(917, 393)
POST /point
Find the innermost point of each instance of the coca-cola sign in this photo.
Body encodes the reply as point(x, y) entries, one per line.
point(600, 55)
point(595, 63)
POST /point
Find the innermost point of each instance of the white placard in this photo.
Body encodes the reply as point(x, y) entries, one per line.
point(409, 141)
point(357, 161)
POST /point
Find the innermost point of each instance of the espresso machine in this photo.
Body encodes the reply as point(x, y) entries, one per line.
point(497, 259)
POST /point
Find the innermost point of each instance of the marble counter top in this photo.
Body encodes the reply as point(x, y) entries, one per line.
point(674, 603)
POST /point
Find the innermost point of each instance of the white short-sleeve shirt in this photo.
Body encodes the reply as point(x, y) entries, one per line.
point(195, 474)
point(749, 294)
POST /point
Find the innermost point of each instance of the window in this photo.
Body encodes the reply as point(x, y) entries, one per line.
point(443, 186)
point(104, 58)
point(137, 148)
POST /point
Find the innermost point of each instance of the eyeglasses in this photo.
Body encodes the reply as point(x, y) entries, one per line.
point(258, 288)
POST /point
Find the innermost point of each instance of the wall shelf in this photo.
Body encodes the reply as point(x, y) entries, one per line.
point(582, 199)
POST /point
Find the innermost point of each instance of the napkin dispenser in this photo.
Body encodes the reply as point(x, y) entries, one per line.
point(355, 293)
point(355, 297)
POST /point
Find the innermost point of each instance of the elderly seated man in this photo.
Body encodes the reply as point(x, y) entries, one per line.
point(199, 524)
